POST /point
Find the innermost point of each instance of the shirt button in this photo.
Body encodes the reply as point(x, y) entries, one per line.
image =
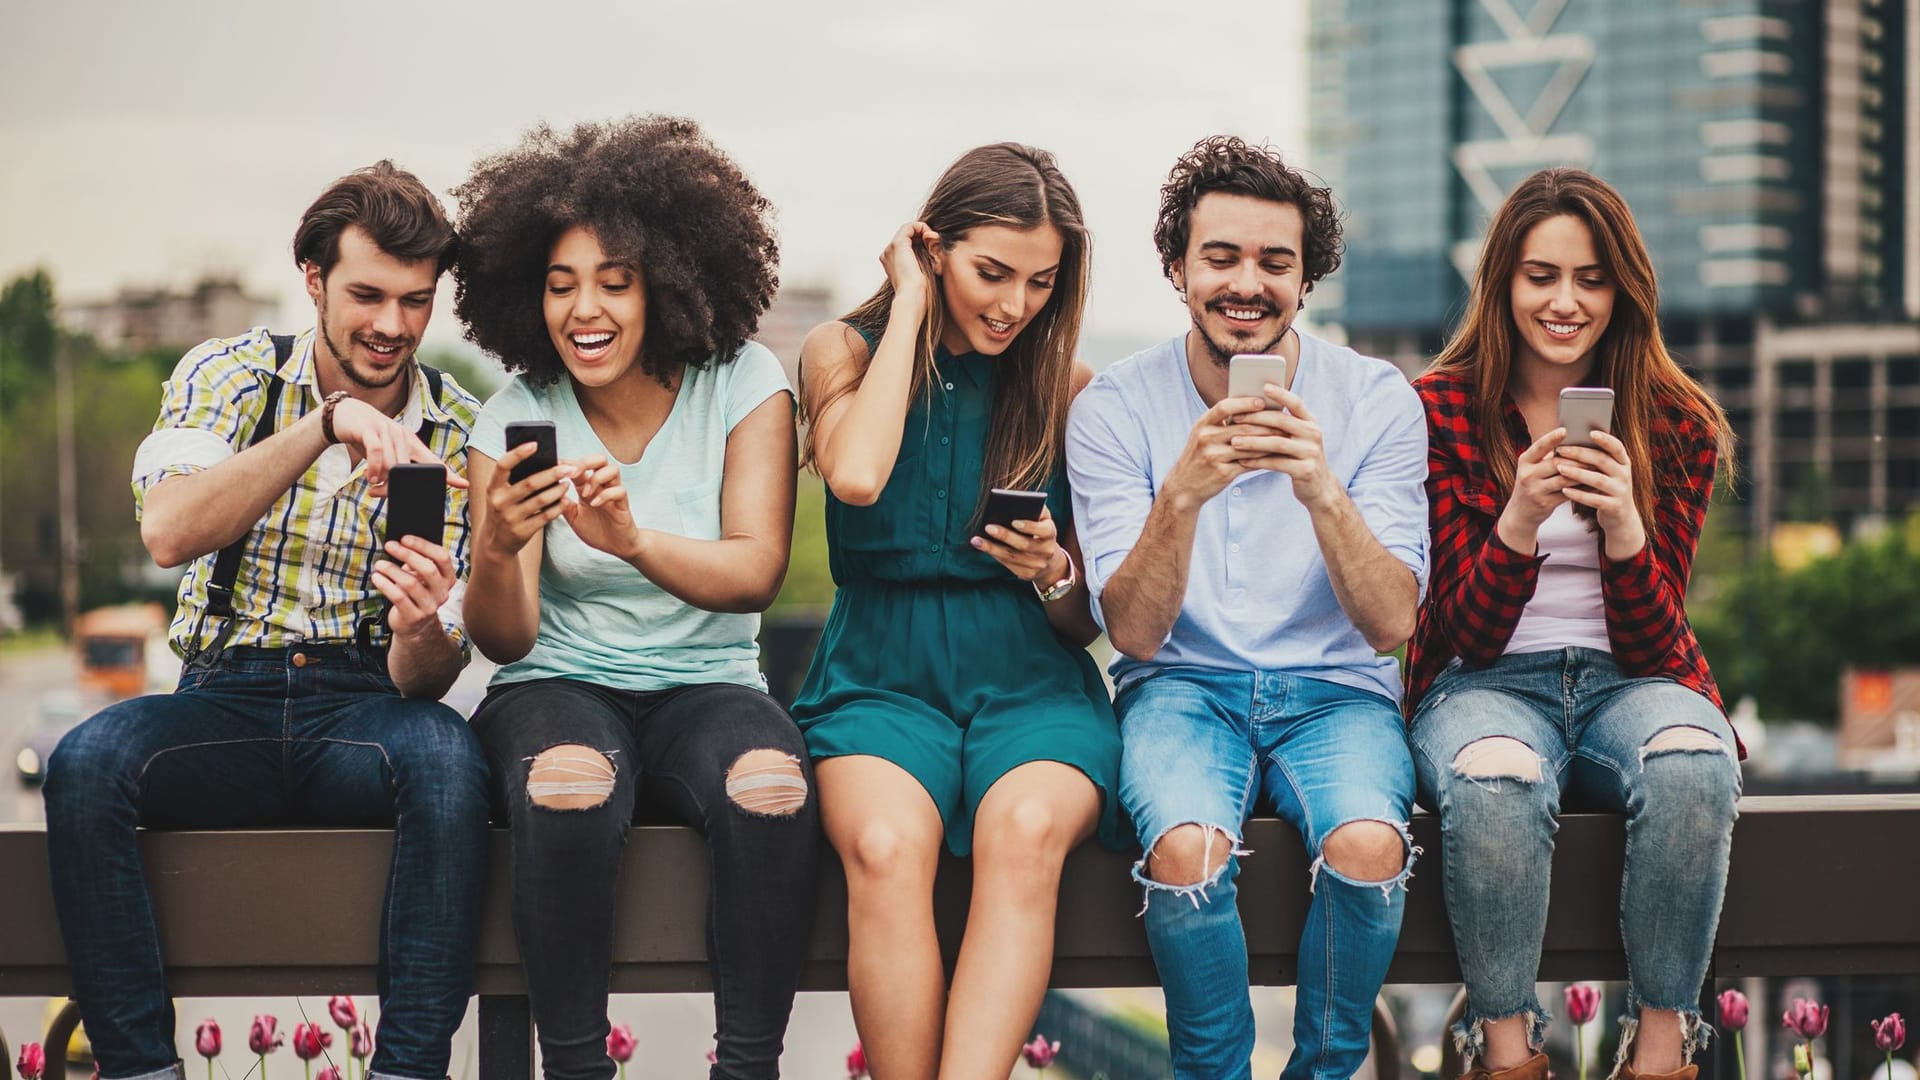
point(1235, 548)
point(949, 386)
point(1236, 493)
point(944, 440)
point(941, 494)
point(933, 549)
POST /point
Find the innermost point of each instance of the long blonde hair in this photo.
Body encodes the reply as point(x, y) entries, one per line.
point(1631, 357)
point(1019, 187)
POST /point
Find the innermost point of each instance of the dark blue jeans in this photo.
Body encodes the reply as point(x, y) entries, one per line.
point(314, 736)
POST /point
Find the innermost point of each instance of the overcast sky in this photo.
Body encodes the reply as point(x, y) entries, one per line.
point(145, 143)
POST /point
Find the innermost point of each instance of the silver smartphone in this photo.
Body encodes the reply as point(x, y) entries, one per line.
point(1585, 410)
point(1248, 373)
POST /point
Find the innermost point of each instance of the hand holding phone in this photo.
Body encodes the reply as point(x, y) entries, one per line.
point(417, 502)
point(1585, 410)
point(1008, 505)
point(1249, 373)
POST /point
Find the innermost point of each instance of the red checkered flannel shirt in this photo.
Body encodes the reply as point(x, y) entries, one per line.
point(1479, 586)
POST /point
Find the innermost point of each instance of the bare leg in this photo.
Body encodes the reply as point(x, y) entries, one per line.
point(888, 834)
point(1028, 822)
point(1656, 1049)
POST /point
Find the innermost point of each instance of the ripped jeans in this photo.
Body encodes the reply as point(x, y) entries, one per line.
point(1647, 747)
point(571, 762)
point(1205, 746)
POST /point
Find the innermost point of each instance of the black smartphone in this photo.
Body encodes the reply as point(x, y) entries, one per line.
point(417, 502)
point(1008, 505)
point(540, 434)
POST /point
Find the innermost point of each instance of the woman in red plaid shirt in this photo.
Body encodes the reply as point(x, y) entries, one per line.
point(1553, 654)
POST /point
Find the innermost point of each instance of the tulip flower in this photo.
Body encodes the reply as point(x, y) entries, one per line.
point(1040, 1053)
point(309, 1042)
point(262, 1037)
point(206, 1040)
point(1733, 1016)
point(345, 1012)
point(713, 1055)
point(620, 1046)
point(360, 1044)
point(1890, 1034)
point(1583, 1004)
point(1806, 1019)
point(856, 1062)
point(331, 1072)
point(33, 1062)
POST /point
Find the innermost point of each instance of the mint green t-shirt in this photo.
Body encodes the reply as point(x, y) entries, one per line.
point(601, 620)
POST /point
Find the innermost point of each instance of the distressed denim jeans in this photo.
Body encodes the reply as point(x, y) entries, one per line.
point(315, 736)
point(1590, 733)
point(1208, 746)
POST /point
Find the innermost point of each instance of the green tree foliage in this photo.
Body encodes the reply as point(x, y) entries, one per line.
point(1784, 636)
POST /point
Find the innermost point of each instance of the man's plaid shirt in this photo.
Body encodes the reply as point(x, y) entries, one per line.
point(306, 571)
point(1480, 586)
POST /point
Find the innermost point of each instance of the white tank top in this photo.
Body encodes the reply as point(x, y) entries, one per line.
point(1566, 608)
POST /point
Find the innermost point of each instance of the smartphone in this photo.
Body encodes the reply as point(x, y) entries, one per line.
point(547, 452)
point(1585, 410)
point(1008, 505)
point(1247, 373)
point(417, 502)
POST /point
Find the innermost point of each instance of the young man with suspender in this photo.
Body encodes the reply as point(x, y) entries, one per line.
point(316, 654)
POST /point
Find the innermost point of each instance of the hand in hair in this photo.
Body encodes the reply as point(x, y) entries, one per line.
point(1602, 477)
point(1538, 490)
point(907, 259)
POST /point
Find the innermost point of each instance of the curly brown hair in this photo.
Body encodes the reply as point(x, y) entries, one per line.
point(659, 196)
point(1229, 164)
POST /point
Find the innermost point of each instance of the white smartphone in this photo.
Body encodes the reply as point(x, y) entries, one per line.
point(1248, 373)
point(1585, 410)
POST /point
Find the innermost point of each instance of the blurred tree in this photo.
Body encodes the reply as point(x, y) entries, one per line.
point(479, 374)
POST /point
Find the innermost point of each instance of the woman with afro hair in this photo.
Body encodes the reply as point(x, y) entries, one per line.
point(952, 699)
point(618, 271)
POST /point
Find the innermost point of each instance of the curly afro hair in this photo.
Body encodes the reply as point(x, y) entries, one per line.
point(1227, 163)
point(656, 194)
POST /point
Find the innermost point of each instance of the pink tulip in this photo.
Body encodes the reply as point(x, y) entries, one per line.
point(1040, 1053)
point(713, 1055)
point(309, 1040)
point(33, 1062)
point(360, 1045)
point(345, 1012)
point(1583, 1003)
point(263, 1038)
point(621, 1043)
point(331, 1072)
point(206, 1038)
point(856, 1062)
point(1806, 1019)
point(1890, 1034)
point(1733, 1010)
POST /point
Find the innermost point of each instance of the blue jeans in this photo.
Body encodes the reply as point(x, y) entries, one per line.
point(313, 735)
point(1589, 733)
point(1204, 746)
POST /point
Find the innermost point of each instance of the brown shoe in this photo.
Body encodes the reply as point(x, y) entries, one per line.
point(1684, 1072)
point(1534, 1068)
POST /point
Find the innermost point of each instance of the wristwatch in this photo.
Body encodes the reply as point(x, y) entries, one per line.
point(326, 414)
point(1059, 588)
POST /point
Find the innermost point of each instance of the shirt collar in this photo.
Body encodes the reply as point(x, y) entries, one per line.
point(300, 370)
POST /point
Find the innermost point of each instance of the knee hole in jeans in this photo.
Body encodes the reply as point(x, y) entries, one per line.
point(1366, 851)
point(1682, 738)
point(1189, 854)
point(767, 783)
point(570, 777)
point(1498, 757)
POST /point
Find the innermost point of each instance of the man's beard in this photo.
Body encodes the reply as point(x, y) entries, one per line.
point(363, 379)
point(1223, 353)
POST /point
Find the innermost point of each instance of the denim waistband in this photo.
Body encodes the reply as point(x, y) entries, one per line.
point(327, 653)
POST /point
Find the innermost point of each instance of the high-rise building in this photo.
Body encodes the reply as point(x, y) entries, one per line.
point(141, 318)
point(1770, 150)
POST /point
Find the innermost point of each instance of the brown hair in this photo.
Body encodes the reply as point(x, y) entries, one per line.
point(1631, 357)
point(1226, 163)
point(1019, 187)
point(401, 215)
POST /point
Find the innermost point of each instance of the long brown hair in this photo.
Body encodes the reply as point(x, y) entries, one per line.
point(1631, 356)
point(1019, 187)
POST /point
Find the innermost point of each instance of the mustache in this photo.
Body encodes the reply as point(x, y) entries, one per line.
point(1261, 303)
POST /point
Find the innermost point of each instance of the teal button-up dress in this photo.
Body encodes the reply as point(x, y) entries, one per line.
point(935, 657)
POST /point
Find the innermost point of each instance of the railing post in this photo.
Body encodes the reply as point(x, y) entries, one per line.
point(506, 1037)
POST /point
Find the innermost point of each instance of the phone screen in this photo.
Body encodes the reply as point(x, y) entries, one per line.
point(417, 502)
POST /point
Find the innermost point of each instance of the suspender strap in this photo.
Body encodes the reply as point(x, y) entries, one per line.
point(226, 567)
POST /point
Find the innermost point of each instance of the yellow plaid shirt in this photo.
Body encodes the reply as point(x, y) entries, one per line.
point(306, 571)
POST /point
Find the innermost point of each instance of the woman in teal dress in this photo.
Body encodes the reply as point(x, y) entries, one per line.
point(951, 698)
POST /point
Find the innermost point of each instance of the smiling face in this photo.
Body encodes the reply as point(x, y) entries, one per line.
point(994, 282)
point(595, 307)
point(1562, 298)
point(1242, 272)
point(372, 309)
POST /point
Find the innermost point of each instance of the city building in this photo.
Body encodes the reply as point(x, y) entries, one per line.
point(796, 310)
point(160, 318)
point(1770, 150)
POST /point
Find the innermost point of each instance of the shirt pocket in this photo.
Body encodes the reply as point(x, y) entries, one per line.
point(697, 511)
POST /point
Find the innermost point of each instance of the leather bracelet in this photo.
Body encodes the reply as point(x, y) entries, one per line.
point(326, 414)
point(1059, 588)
